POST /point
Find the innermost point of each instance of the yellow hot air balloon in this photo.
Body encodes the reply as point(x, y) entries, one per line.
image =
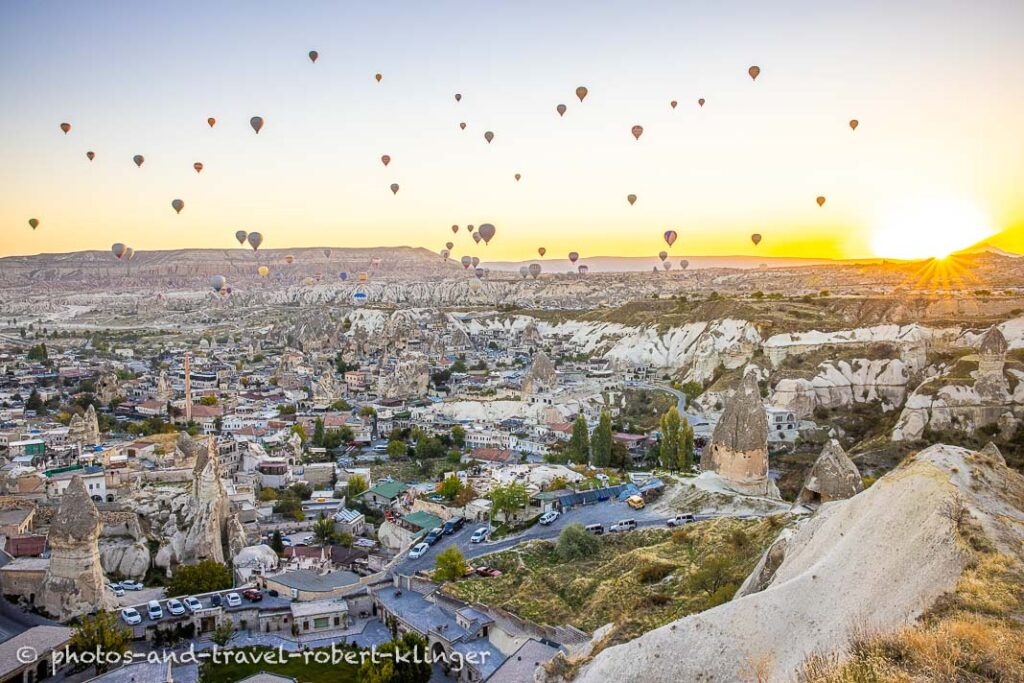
point(263, 271)
point(177, 205)
point(631, 198)
point(821, 201)
point(581, 92)
point(66, 127)
point(854, 123)
point(637, 131)
point(560, 109)
point(754, 72)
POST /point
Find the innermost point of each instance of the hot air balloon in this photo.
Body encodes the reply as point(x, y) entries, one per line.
point(667, 265)
point(138, 159)
point(327, 253)
point(560, 109)
point(542, 251)
point(582, 269)
point(637, 131)
point(458, 97)
point(90, 155)
point(129, 254)
point(854, 123)
point(342, 276)
point(364, 277)
point(379, 77)
point(477, 237)
point(313, 55)
point(455, 229)
point(821, 201)
point(466, 262)
point(523, 272)
point(449, 245)
point(631, 198)
point(218, 282)
point(479, 272)
point(475, 261)
point(255, 240)
point(211, 121)
point(517, 177)
point(198, 166)
point(177, 205)
point(385, 159)
point(462, 125)
point(263, 271)
point(470, 229)
point(581, 92)
point(34, 222)
point(308, 281)
point(65, 127)
point(670, 237)
point(486, 231)
point(535, 270)
point(375, 262)
point(754, 72)
point(118, 249)
point(359, 296)
point(445, 253)
point(700, 102)
point(673, 104)
point(257, 123)
point(573, 256)
point(289, 259)
point(684, 264)
point(488, 136)
point(663, 255)
point(394, 188)
point(756, 238)
point(475, 284)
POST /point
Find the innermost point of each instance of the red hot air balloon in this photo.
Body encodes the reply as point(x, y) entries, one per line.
point(211, 121)
point(637, 131)
point(198, 166)
point(700, 102)
point(385, 159)
point(455, 229)
point(573, 256)
point(673, 104)
point(66, 127)
point(90, 155)
point(542, 251)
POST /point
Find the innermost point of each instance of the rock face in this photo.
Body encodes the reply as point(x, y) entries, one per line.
point(326, 389)
point(84, 430)
point(739, 445)
point(123, 548)
point(108, 388)
point(875, 561)
point(541, 376)
point(833, 477)
point(74, 583)
point(410, 378)
point(841, 384)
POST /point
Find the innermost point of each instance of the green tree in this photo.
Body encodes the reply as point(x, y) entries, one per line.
point(449, 565)
point(459, 436)
point(686, 453)
point(204, 577)
point(104, 632)
point(37, 353)
point(601, 445)
point(691, 390)
point(576, 543)
point(223, 633)
point(669, 447)
point(578, 450)
point(277, 542)
point(459, 365)
point(507, 499)
point(208, 401)
point(396, 449)
point(323, 531)
point(301, 431)
point(450, 488)
point(356, 485)
point(403, 660)
point(318, 433)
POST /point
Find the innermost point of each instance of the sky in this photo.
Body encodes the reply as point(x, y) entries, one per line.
point(936, 163)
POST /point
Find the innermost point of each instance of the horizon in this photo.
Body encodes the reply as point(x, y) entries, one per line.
point(907, 182)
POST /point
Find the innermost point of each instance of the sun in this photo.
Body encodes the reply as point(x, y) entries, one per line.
point(929, 228)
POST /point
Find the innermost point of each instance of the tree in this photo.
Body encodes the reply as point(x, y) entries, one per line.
point(669, 448)
point(301, 431)
point(101, 632)
point(508, 498)
point(223, 633)
point(686, 453)
point(450, 487)
point(578, 450)
point(459, 365)
point(318, 432)
point(37, 353)
point(323, 531)
point(449, 565)
point(601, 446)
point(691, 390)
point(208, 401)
point(620, 455)
point(576, 543)
point(356, 485)
point(403, 660)
point(204, 577)
point(368, 411)
point(459, 436)
point(396, 449)
point(35, 402)
point(277, 542)
point(429, 447)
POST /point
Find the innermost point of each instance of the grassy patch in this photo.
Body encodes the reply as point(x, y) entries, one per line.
point(295, 667)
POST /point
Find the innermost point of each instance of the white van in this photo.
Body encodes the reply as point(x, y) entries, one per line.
point(154, 611)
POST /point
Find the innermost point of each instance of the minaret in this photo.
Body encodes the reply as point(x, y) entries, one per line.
point(188, 386)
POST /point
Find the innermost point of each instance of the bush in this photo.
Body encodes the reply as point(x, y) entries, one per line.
point(654, 572)
point(449, 565)
point(575, 543)
point(204, 577)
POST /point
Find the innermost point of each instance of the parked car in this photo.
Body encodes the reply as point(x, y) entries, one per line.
point(623, 525)
point(193, 604)
point(252, 594)
point(418, 550)
point(307, 539)
point(548, 517)
point(233, 600)
point(287, 542)
point(116, 589)
point(479, 535)
point(216, 600)
point(130, 585)
point(488, 571)
point(679, 520)
point(434, 536)
point(154, 610)
point(636, 502)
point(364, 543)
point(175, 607)
point(596, 529)
point(131, 616)
point(273, 593)
point(453, 525)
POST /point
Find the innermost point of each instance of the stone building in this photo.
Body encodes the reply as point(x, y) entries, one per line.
point(74, 583)
point(833, 477)
point(738, 452)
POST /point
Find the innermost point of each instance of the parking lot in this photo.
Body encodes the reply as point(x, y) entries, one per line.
point(138, 601)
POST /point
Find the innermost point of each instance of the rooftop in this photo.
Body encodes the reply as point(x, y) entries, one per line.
point(306, 580)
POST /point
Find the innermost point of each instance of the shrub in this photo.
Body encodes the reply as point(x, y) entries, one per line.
point(654, 572)
point(575, 543)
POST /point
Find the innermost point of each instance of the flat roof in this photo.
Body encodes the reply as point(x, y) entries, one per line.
point(306, 580)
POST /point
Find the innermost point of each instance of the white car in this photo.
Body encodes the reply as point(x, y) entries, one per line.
point(548, 517)
point(175, 607)
point(364, 543)
point(131, 616)
point(116, 589)
point(679, 520)
point(479, 535)
point(154, 611)
point(193, 604)
point(307, 539)
point(286, 542)
point(623, 525)
point(130, 585)
point(233, 599)
point(418, 550)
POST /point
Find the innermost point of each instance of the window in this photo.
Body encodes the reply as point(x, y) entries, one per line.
point(321, 622)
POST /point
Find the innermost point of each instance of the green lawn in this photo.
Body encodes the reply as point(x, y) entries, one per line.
point(296, 667)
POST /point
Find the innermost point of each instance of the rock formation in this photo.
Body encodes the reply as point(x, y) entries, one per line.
point(74, 583)
point(409, 379)
point(541, 376)
point(738, 452)
point(833, 477)
point(164, 392)
point(84, 430)
point(326, 389)
point(123, 547)
point(108, 388)
point(840, 384)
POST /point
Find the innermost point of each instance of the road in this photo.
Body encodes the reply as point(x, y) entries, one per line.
point(680, 396)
